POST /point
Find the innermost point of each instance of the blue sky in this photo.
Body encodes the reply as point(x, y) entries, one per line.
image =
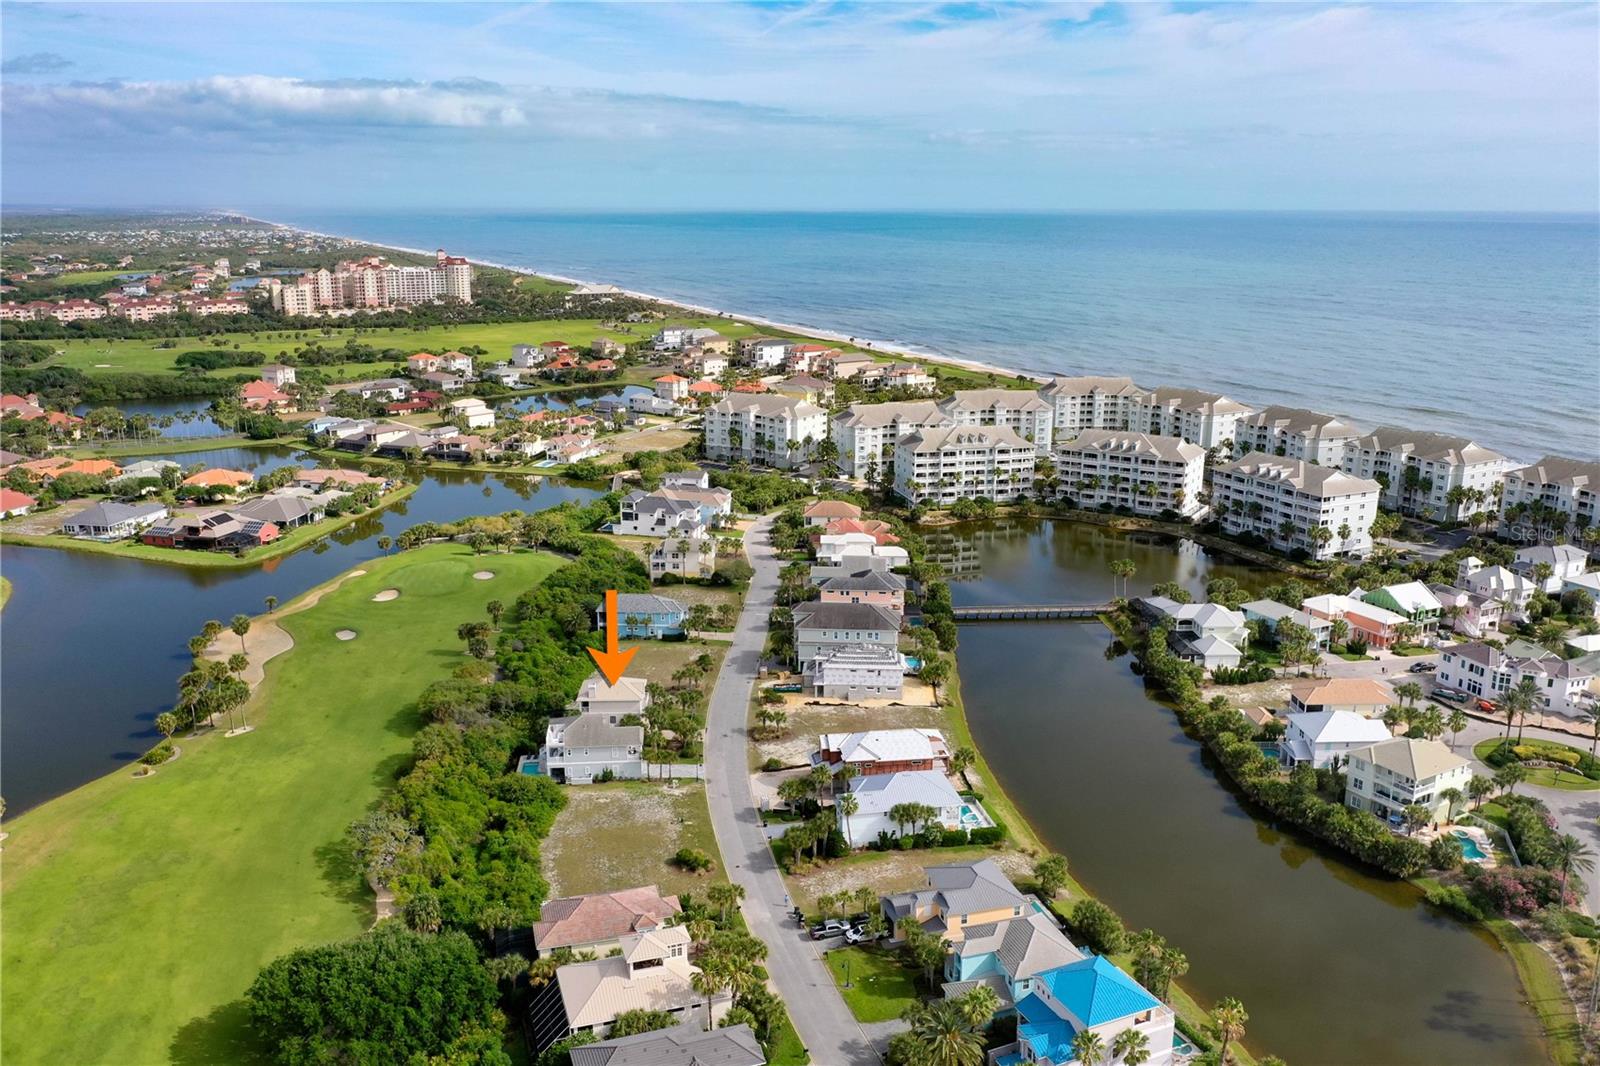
point(803, 106)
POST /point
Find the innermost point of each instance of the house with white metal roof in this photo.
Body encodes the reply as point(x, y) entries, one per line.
point(1318, 738)
point(878, 794)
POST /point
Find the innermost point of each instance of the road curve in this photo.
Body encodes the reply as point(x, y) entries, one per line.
point(826, 1027)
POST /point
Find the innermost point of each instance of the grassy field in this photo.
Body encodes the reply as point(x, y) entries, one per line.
point(1543, 776)
point(149, 905)
point(622, 834)
point(658, 660)
point(880, 987)
point(202, 560)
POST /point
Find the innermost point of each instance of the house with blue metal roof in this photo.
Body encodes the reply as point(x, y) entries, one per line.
point(645, 615)
point(1091, 994)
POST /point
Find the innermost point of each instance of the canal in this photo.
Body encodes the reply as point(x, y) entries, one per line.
point(1335, 965)
point(94, 645)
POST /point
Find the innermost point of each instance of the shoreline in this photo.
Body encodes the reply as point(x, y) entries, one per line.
point(876, 347)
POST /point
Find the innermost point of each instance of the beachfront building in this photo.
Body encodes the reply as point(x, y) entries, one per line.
point(1391, 775)
point(1295, 433)
point(1420, 472)
point(941, 465)
point(1320, 738)
point(764, 353)
point(879, 794)
point(822, 627)
point(866, 433)
point(775, 430)
point(1025, 413)
point(1145, 474)
point(883, 751)
point(1488, 672)
point(1294, 504)
point(1554, 495)
point(1204, 418)
point(868, 672)
point(1090, 403)
point(599, 921)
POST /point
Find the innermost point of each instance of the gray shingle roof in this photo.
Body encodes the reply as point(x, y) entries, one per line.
point(687, 1045)
point(816, 615)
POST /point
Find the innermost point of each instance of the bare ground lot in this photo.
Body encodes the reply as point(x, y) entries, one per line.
point(624, 834)
point(658, 660)
point(895, 871)
point(808, 719)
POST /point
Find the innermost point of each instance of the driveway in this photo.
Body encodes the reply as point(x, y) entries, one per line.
point(826, 1027)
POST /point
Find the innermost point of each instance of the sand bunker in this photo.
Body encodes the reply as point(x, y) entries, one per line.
point(346, 634)
point(483, 575)
point(386, 595)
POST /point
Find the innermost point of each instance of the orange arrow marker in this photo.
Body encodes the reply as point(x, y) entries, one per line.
point(611, 661)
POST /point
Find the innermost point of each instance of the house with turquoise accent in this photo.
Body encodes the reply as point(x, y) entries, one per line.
point(642, 615)
point(1090, 994)
point(1004, 954)
point(1412, 599)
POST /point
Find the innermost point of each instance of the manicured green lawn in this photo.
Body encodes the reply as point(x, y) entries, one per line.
point(137, 912)
point(1543, 776)
point(880, 988)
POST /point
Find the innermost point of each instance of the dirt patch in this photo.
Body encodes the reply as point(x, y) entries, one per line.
point(808, 719)
point(386, 595)
point(895, 871)
point(482, 575)
point(620, 835)
point(345, 634)
point(43, 523)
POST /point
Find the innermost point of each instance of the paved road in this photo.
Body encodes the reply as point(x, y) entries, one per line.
point(825, 1024)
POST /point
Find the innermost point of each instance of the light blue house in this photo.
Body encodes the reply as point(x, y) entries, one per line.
point(1088, 994)
point(1004, 954)
point(642, 615)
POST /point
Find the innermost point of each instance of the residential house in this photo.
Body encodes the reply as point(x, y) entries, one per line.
point(1368, 623)
point(646, 514)
point(841, 366)
point(1566, 561)
point(113, 521)
point(777, 430)
point(1204, 418)
point(869, 672)
point(642, 615)
point(583, 747)
point(1296, 505)
point(1506, 587)
point(459, 362)
point(672, 387)
point(217, 530)
point(883, 751)
point(1205, 633)
point(822, 627)
point(319, 478)
point(651, 972)
point(805, 387)
point(1145, 474)
point(426, 362)
point(606, 348)
point(1488, 672)
point(1551, 496)
point(145, 470)
point(264, 396)
point(1467, 613)
point(905, 376)
point(382, 389)
point(286, 511)
point(764, 353)
point(822, 512)
point(686, 1045)
point(444, 381)
point(219, 480)
point(573, 447)
point(958, 897)
point(1589, 583)
point(866, 433)
point(880, 531)
point(14, 504)
point(878, 794)
point(599, 921)
point(866, 586)
point(1418, 472)
point(684, 557)
point(1025, 413)
point(1411, 599)
point(472, 410)
point(941, 465)
point(1295, 433)
point(1270, 612)
point(1391, 775)
point(278, 374)
point(701, 364)
point(1002, 955)
point(1365, 696)
point(1319, 738)
point(1091, 994)
point(802, 358)
point(527, 356)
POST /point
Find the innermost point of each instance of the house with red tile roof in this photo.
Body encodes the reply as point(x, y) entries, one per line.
point(50, 469)
point(750, 386)
point(264, 396)
point(218, 478)
point(597, 922)
point(13, 503)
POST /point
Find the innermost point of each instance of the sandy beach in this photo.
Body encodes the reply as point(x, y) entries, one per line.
point(864, 343)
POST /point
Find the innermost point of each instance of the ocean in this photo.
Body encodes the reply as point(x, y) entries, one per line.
point(1482, 325)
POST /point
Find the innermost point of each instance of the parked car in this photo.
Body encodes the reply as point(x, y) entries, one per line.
point(830, 928)
point(857, 934)
point(1422, 668)
point(1488, 707)
point(1450, 695)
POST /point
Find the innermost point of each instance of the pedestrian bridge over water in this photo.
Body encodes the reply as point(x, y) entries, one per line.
point(1029, 612)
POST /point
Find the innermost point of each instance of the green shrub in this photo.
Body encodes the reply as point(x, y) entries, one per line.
point(158, 754)
point(1452, 899)
point(1098, 926)
point(692, 859)
point(954, 838)
point(772, 764)
point(989, 834)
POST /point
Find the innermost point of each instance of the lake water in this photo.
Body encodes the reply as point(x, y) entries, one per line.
point(1334, 965)
point(94, 645)
point(190, 418)
point(1385, 318)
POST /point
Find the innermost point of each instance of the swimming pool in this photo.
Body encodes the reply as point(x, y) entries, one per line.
point(1270, 751)
point(971, 819)
point(1469, 846)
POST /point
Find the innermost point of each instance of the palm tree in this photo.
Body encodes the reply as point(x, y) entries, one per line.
point(1592, 716)
point(1131, 1047)
point(1088, 1047)
point(848, 805)
point(1228, 1019)
point(1510, 775)
point(1452, 798)
point(272, 604)
point(1569, 854)
point(710, 979)
point(240, 626)
point(1479, 788)
point(979, 1006)
point(944, 1036)
point(961, 759)
point(1458, 722)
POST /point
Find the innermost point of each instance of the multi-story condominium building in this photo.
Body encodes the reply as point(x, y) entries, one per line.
point(1287, 501)
point(943, 464)
point(1420, 472)
point(866, 433)
point(1135, 470)
point(1555, 494)
point(1032, 418)
point(1202, 418)
point(1295, 433)
point(1390, 776)
point(371, 283)
point(143, 310)
point(1483, 670)
point(1091, 403)
point(777, 430)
